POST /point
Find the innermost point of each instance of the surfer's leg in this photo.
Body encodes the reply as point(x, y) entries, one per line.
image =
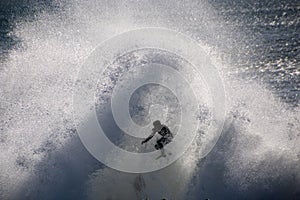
point(163, 152)
point(159, 144)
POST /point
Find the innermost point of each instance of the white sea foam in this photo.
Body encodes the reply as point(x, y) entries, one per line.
point(261, 134)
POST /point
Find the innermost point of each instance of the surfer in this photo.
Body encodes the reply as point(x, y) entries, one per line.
point(164, 131)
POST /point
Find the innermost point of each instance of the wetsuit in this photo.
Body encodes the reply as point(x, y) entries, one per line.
point(166, 138)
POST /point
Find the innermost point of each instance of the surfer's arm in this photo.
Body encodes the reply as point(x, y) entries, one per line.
point(148, 138)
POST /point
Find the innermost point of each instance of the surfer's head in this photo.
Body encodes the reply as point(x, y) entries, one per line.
point(156, 123)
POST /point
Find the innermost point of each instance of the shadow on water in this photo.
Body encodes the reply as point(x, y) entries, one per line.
point(64, 173)
point(61, 174)
point(273, 178)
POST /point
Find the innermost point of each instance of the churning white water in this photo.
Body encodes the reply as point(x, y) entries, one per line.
point(42, 158)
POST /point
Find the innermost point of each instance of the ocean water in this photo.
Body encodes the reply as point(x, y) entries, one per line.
point(255, 47)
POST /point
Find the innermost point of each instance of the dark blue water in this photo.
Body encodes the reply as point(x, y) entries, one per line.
point(271, 42)
point(268, 50)
point(14, 11)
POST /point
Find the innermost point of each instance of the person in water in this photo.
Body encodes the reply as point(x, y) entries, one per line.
point(164, 131)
